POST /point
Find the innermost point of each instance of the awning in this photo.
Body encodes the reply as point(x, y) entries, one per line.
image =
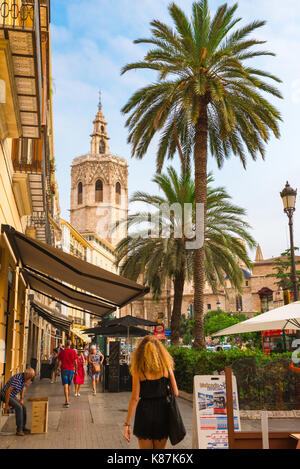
point(80, 334)
point(48, 269)
point(50, 315)
point(53, 289)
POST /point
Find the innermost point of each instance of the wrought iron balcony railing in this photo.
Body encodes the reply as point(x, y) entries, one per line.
point(20, 24)
point(27, 155)
point(17, 14)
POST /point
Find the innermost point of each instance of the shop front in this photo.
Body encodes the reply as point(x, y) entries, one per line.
point(53, 276)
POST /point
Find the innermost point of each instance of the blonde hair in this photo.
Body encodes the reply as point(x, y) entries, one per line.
point(151, 357)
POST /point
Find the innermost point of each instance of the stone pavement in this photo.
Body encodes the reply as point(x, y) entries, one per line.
point(91, 422)
point(96, 422)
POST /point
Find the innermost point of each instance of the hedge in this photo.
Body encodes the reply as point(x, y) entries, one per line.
point(264, 382)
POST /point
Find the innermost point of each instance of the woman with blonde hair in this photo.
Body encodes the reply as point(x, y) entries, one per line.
point(152, 373)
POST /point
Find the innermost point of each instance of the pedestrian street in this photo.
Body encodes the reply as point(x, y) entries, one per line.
point(91, 422)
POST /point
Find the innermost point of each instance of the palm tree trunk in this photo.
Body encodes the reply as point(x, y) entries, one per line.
point(200, 160)
point(176, 313)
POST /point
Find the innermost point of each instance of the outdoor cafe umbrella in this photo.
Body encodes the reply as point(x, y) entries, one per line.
point(284, 317)
point(129, 321)
point(118, 331)
point(125, 325)
point(125, 321)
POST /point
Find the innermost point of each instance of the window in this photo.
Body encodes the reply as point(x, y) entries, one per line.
point(79, 194)
point(239, 303)
point(26, 154)
point(99, 191)
point(209, 306)
point(102, 147)
point(118, 193)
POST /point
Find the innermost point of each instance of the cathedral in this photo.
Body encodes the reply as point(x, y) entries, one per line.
point(99, 202)
point(99, 189)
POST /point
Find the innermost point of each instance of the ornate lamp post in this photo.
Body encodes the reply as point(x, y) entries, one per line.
point(288, 196)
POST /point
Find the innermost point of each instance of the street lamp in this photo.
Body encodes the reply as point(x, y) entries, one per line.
point(288, 196)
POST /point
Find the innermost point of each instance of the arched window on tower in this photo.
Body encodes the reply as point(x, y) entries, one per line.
point(79, 193)
point(99, 191)
point(118, 193)
point(102, 147)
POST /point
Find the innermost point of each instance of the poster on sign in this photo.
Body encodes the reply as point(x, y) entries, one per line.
point(159, 331)
point(210, 415)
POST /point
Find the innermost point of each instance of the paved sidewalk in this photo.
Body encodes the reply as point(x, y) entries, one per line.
point(91, 422)
point(96, 422)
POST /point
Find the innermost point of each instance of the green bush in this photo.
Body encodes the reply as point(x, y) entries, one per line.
point(263, 381)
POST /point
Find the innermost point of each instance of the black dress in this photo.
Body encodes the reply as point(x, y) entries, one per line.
point(151, 416)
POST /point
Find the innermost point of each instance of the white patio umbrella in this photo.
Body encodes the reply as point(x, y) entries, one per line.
point(285, 317)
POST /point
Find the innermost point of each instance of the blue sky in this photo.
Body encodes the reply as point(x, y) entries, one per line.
point(92, 40)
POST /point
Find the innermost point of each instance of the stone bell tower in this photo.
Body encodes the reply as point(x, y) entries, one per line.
point(99, 188)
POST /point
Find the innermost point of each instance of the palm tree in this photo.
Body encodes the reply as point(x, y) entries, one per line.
point(205, 97)
point(159, 257)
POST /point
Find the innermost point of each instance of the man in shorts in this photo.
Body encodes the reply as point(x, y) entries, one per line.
point(68, 359)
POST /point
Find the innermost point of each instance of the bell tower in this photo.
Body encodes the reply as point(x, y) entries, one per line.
point(99, 143)
point(99, 189)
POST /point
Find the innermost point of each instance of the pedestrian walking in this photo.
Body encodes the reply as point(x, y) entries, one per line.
point(86, 353)
point(79, 378)
point(60, 347)
point(95, 361)
point(68, 359)
point(14, 386)
point(53, 363)
point(152, 375)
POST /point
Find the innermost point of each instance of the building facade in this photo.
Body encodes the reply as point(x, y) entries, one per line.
point(95, 251)
point(27, 175)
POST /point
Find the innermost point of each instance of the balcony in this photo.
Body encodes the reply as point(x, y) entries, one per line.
point(20, 39)
point(27, 157)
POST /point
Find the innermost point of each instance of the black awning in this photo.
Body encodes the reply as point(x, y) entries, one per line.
point(51, 268)
point(50, 315)
point(53, 289)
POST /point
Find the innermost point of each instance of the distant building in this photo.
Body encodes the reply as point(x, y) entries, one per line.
point(99, 189)
point(99, 198)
